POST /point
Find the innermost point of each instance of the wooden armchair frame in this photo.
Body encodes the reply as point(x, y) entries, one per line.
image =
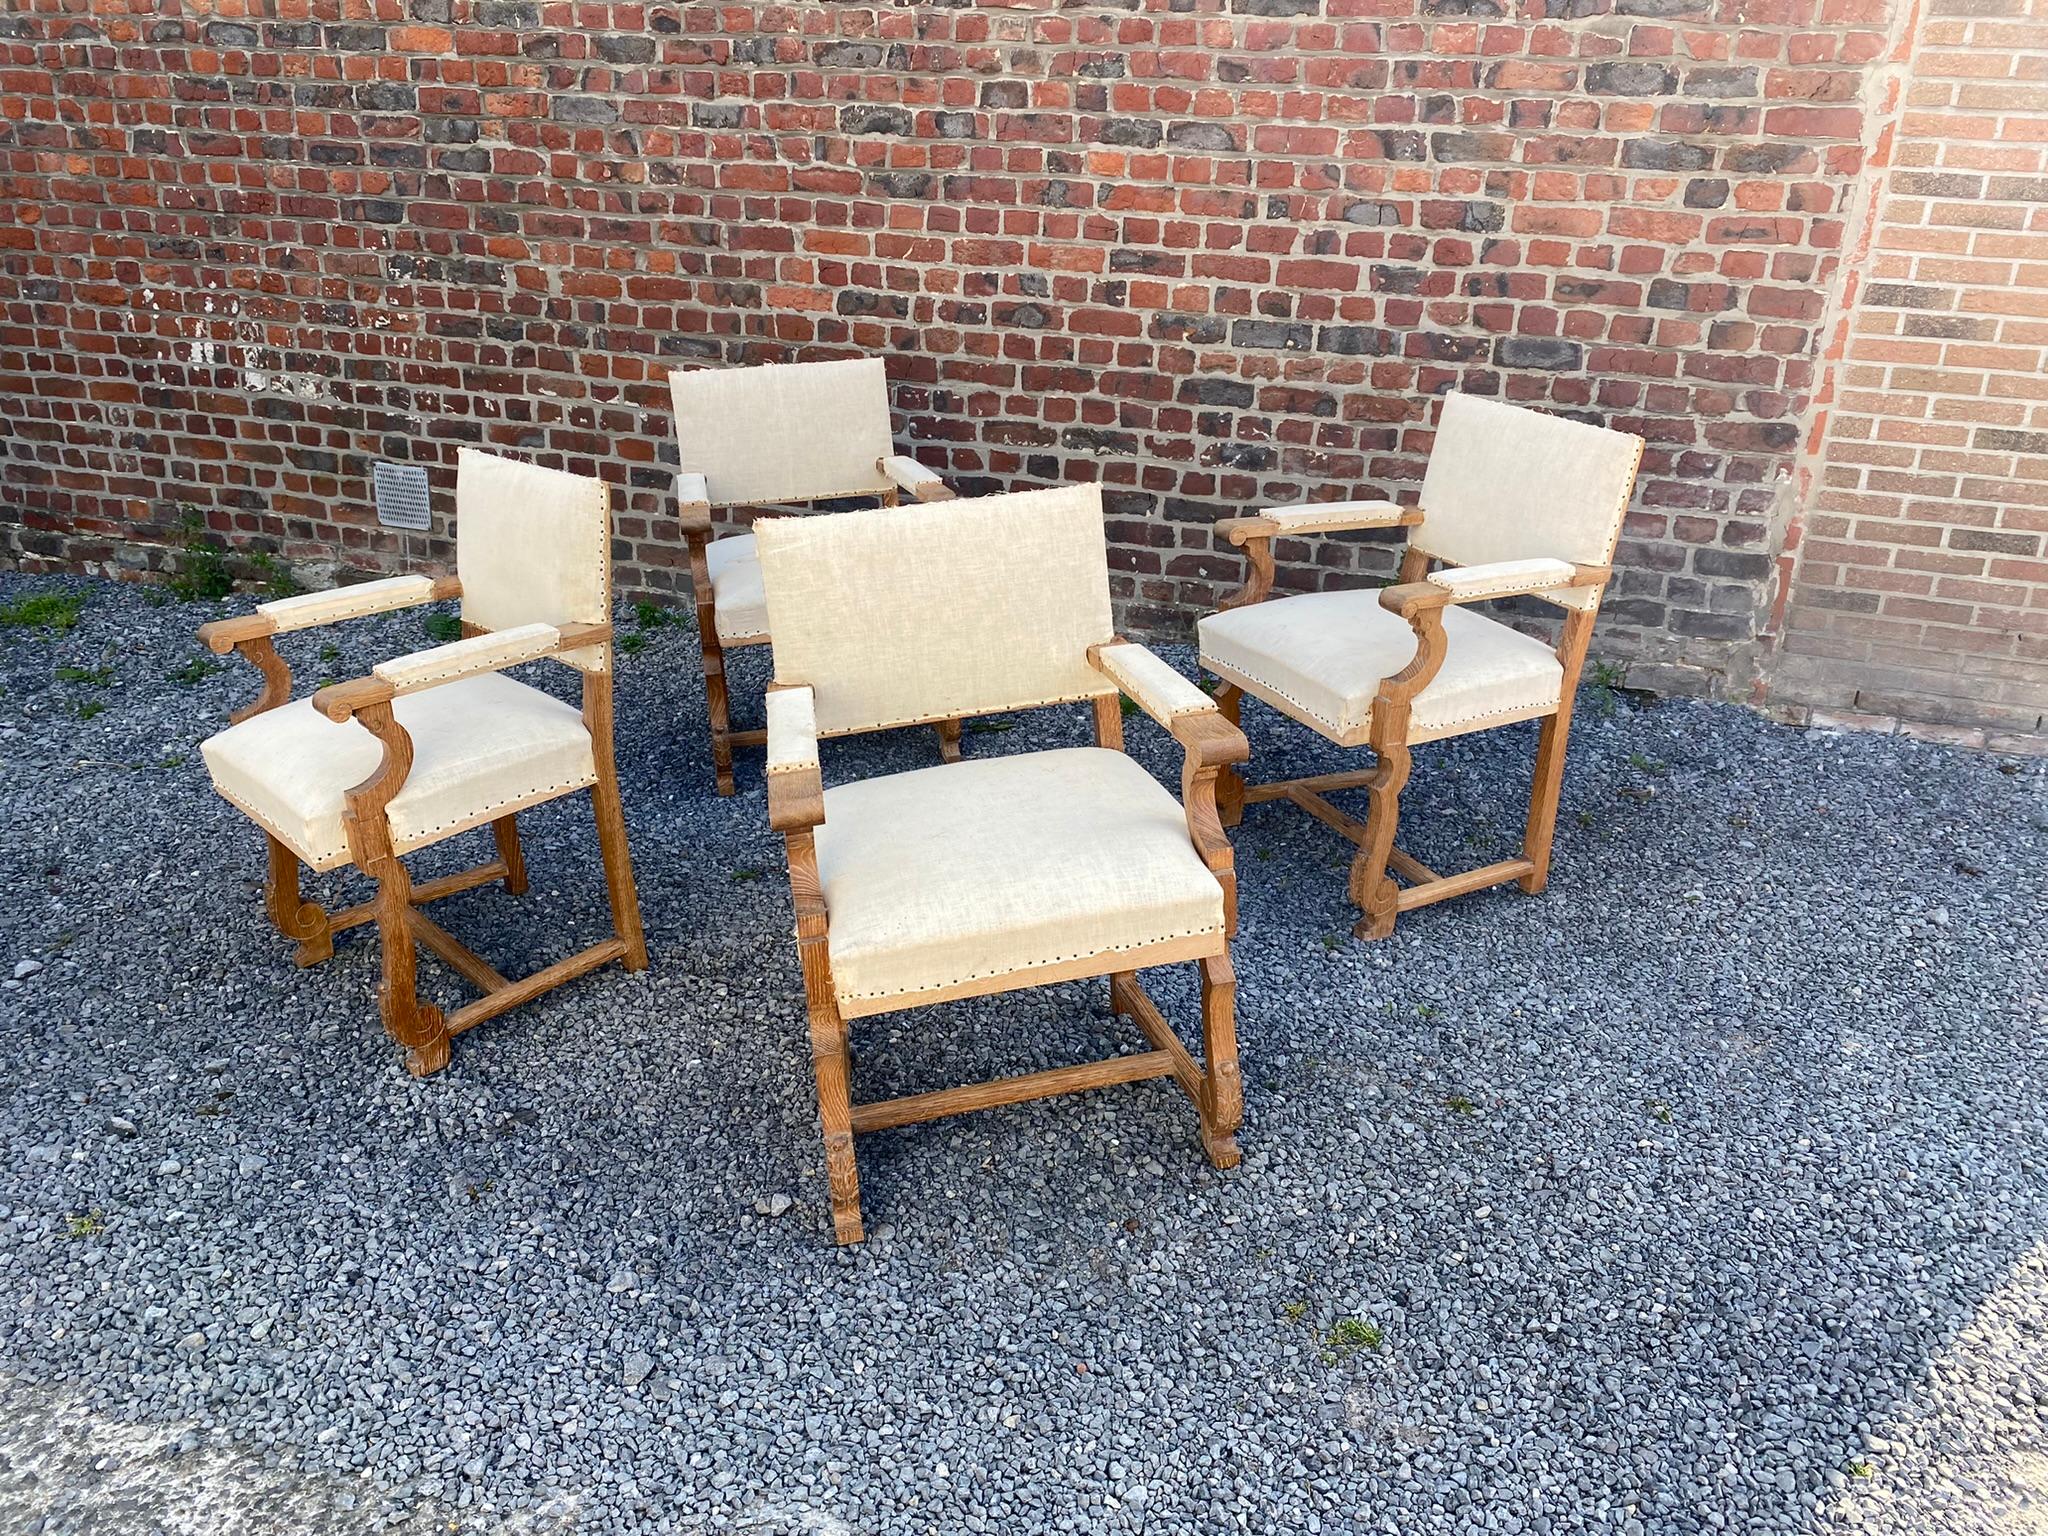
point(424, 1031)
point(1006, 640)
point(1485, 538)
point(796, 807)
point(1420, 601)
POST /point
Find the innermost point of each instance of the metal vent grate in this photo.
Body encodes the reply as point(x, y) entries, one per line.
point(402, 497)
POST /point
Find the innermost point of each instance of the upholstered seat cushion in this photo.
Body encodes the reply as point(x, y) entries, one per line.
point(944, 881)
point(736, 595)
point(482, 747)
point(1319, 659)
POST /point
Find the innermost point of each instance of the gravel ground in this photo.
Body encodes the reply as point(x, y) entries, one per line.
point(1704, 1193)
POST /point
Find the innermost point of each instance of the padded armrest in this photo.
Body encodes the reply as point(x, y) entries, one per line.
point(909, 475)
point(693, 502)
point(459, 658)
point(310, 609)
point(1150, 683)
point(465, 658)
point(1503, 578)
point(1322, 517)
point(796, 790)
point(1336, 516)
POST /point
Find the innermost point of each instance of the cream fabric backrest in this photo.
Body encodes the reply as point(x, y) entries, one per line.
point(533, 546)
point(784, 432)
point(931, 612)
point(1508, 483)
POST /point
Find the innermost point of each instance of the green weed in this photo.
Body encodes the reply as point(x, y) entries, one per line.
point(56, 611)
point(202, 571)
point(93, 677)
point(442, 627)
point(1351, 1334)
point(92, 1224)
point(196, 670)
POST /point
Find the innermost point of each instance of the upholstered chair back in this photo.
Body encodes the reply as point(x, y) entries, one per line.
point(533, 546)
point(931, 612)
point(784, 432)
point(1508, 483)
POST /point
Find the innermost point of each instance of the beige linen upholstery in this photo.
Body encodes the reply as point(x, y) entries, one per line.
point(1502, 579)
point(1151, 684)
point(784, 432)
point(533, 546)
point(792, 730)
point(692, 494)
point(1320, 658)
point(1333, 516)
point(1505, 483)
point(734, 566)
point(949, 879)
point(900, 615)
point(461, 658)
point(482, 747)
point(309, 609)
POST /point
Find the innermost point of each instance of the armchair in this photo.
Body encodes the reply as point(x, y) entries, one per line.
point(772, 436)
point(1001, 873)
point(1514, 502)
point(435, 743)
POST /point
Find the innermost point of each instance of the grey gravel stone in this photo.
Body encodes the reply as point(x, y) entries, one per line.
point(1703, 1193)
point(23, 969)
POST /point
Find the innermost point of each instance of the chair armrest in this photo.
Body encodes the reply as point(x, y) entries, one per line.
point(796, 788)
point(440, 664)
point(309, 610)
point(1509, 578)
point(909, 475)
point(1150, 683)
point(693, 502)
point(1209, 741)
point(1476, 583)
point(1319, 517)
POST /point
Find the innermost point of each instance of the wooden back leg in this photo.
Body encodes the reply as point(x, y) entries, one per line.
point(506, 830)
point(1547, 785)
point(949, 740)
point(717, 708)
point(1229, 781)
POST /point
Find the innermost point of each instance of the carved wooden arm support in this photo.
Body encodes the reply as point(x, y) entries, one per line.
point(796, 786)
point(908, 475)
point(251, 633)
point(1255, 535)
point(440, 664)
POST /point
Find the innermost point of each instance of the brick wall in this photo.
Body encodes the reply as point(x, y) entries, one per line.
point(1921, 591)
point(1212, 254)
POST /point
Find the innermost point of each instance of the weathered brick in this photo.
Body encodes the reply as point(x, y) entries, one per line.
point(1201, 255)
